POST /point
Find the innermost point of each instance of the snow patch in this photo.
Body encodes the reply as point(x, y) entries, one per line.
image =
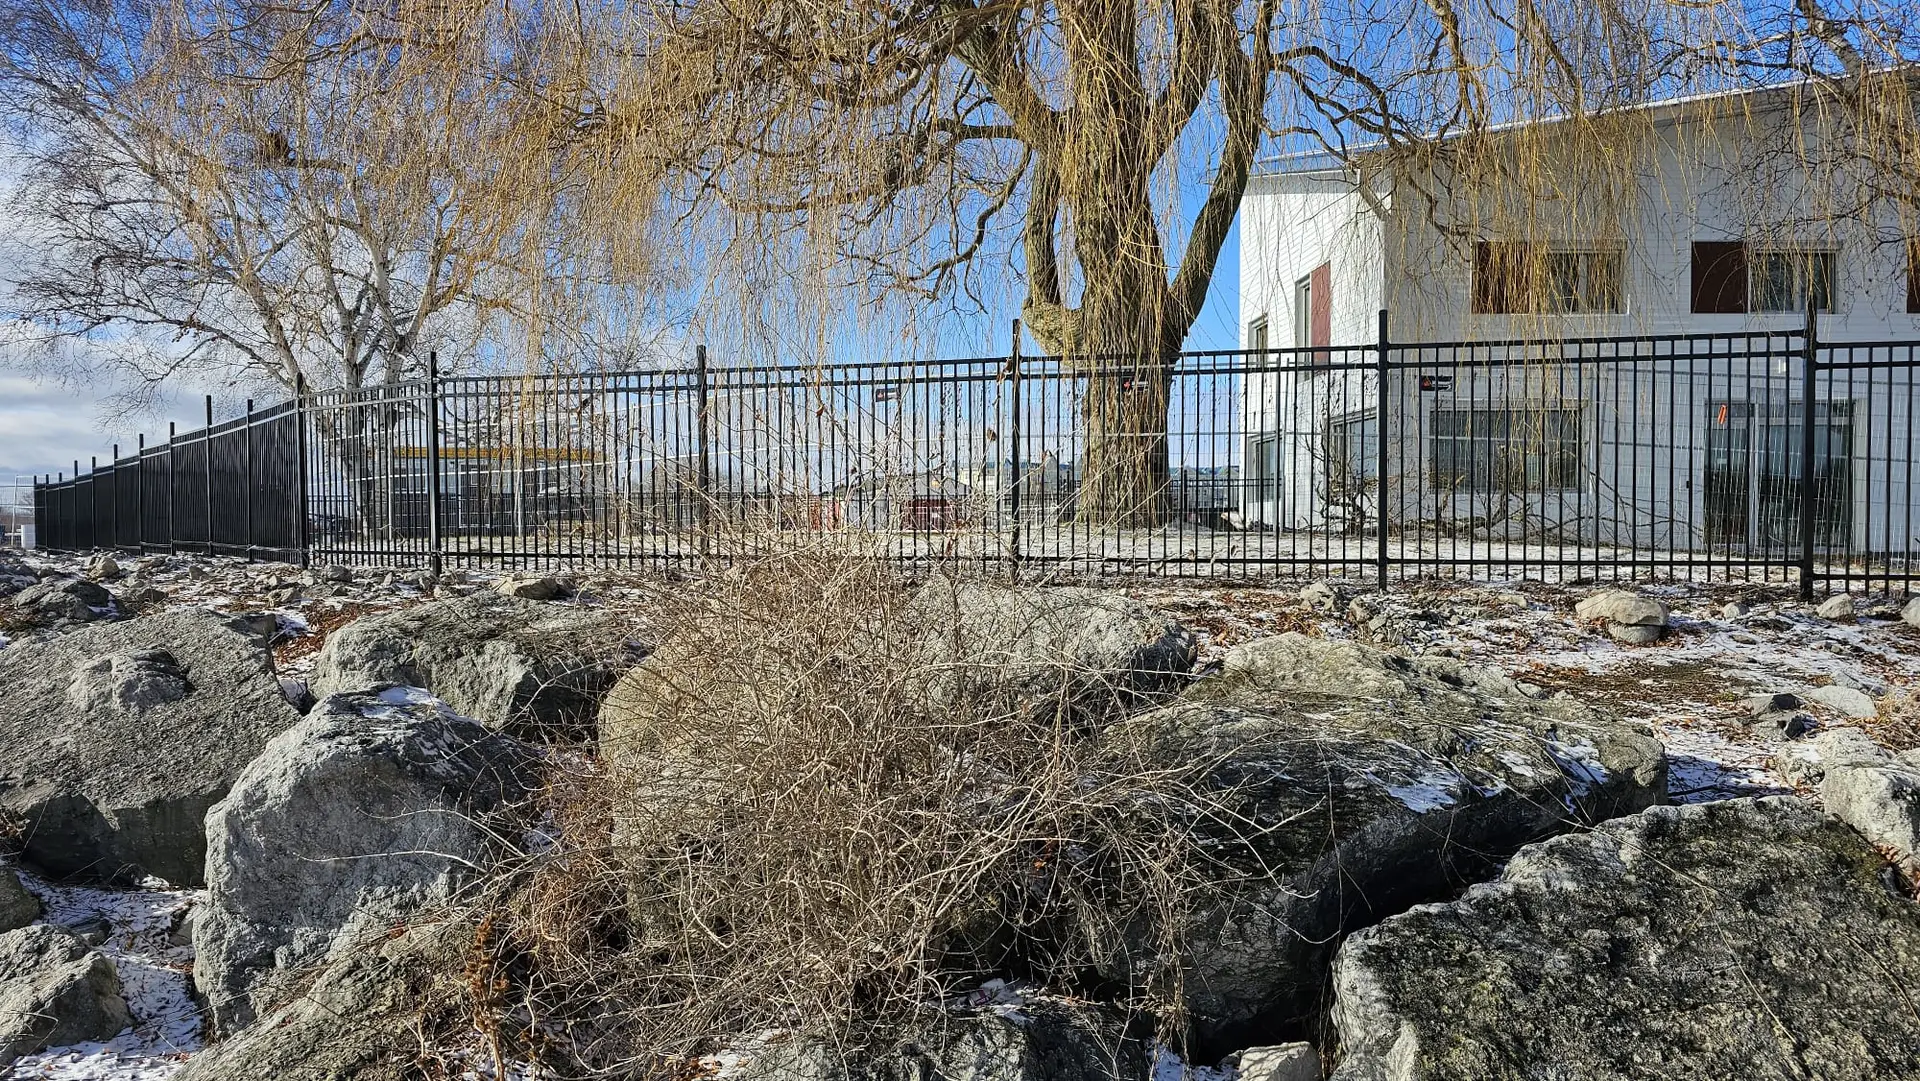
point(1579, 759)
point(1428, 792)
point(153, 977)
point(1168, 1066)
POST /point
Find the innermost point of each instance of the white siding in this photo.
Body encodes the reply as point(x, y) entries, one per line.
point(1289, 226)
point(1645, 428)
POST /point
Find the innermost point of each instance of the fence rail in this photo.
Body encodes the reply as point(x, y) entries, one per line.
point(1747, 456)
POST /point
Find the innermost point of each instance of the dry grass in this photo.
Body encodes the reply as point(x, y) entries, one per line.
point(784, 834)
point(1898, 725)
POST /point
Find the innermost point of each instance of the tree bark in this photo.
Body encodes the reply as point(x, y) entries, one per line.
point(1125, 465)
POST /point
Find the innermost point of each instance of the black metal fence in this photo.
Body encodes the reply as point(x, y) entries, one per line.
point(1750, 456)
point(229, 489)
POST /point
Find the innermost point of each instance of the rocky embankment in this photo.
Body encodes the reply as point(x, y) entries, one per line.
point(1415, 867)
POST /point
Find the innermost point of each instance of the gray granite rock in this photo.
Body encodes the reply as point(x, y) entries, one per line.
point(1359, 783)
point(17, 907)
point(371, 810)
point(1624, 607)
point(1750, 939)
point(55, 990)
point(1084, 650)
point(1045, 1040)
point(116, 738)
point(357, 1017)
point(1871, 789)
point(529, 668)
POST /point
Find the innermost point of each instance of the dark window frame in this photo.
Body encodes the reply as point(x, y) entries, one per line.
point(1513, 277)
point(1719, 277)
point(1913, 276)
point(1474, 448)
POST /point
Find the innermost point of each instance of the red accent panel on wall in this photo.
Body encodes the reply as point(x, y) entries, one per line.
point(1719, 276)
point(1320, 309)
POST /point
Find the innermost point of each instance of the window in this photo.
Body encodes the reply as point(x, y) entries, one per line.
point(1519, 448)
point(1730, 277)
point(1263, 459)
point(1913, 276)
point(1303, 313)
point(1257, 335)
point(1719, 277)
point(1790, 281)
point(1516, 278)
point(1581, 281)
point(1313, 316)
point(1352, 448)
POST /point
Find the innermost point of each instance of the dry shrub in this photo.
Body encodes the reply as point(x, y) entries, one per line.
point(787, 838)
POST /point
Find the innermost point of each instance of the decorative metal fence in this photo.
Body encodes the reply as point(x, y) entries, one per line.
point(1749, 456)
point(231, 488)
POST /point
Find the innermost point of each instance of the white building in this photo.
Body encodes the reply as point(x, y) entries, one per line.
point(1697, 232)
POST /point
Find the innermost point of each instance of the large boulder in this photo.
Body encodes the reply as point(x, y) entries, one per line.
point(1037, 1040)
point(54, 991)
point(372, 809)
point(1342, 785)
point(1752, 939)
point(116, 738)
point(1082, 649)
point(514, 664)
point(64, 598)
point(360, 1017)
point(17, 907)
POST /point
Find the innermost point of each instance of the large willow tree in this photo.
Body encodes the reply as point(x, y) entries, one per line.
point(1095, 152)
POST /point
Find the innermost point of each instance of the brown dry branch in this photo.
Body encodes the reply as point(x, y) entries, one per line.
point(787, 833)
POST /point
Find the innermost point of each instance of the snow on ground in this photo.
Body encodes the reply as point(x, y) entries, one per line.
point(1689, 687)
point(1168, 1066)
point(153, 976)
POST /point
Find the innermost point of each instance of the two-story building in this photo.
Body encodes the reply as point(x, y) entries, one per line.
point(1610, 315)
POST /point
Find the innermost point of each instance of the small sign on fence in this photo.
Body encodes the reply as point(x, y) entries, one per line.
point(1436, 382)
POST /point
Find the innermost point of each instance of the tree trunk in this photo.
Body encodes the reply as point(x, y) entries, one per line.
point(1129, 350)
point(1124, 470)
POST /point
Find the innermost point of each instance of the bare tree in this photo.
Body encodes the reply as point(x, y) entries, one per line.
point(240, 192)
point(232, 192)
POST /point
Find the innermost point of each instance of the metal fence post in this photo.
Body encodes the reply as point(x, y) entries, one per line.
point(93, 499)
point(300, 538)
point(172, 485)
point(704, 476)
point(206, 457)
point(1380, 464)
point(113, 508)
point(140, 494)
point(434, 556)
point(1809, 368)
point(247, 484)
point(1014, 424)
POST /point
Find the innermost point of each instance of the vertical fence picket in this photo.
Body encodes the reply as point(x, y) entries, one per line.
point(436, 550)
point(1381, 411)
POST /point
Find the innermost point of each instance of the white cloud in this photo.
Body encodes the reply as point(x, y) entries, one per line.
point(44, 427)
